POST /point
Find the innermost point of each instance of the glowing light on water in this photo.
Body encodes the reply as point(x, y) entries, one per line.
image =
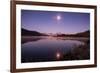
point(58, 55)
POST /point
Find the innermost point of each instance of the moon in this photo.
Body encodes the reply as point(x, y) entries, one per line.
point(58, 17)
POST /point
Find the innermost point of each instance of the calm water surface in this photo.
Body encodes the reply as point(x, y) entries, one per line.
point(47, 49)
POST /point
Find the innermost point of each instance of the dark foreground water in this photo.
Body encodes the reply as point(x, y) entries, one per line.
point(39, 49)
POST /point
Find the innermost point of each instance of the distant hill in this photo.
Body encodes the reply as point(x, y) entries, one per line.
point(25, 32)
point(84, 34)
point(80, 34)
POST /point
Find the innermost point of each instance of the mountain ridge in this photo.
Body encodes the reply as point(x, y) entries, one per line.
point(25, 32)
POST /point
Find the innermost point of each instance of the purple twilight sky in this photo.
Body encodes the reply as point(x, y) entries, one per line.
point(55, 22)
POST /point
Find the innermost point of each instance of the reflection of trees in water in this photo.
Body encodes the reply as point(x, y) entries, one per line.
point(81, 39)
point(78, 52)
point(25, 40)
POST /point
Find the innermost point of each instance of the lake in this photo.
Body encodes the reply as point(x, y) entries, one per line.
point(48, 48)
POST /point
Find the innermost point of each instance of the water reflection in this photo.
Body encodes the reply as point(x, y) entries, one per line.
point(41, 49)
point(58, 55)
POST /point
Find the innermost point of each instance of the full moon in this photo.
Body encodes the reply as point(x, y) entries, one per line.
point(58, 17)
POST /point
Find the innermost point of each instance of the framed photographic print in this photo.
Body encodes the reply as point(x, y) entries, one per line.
point(52, 36)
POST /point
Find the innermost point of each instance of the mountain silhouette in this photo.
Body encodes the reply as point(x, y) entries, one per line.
point(84, 34)
point(80, 34)
point(25, 32)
